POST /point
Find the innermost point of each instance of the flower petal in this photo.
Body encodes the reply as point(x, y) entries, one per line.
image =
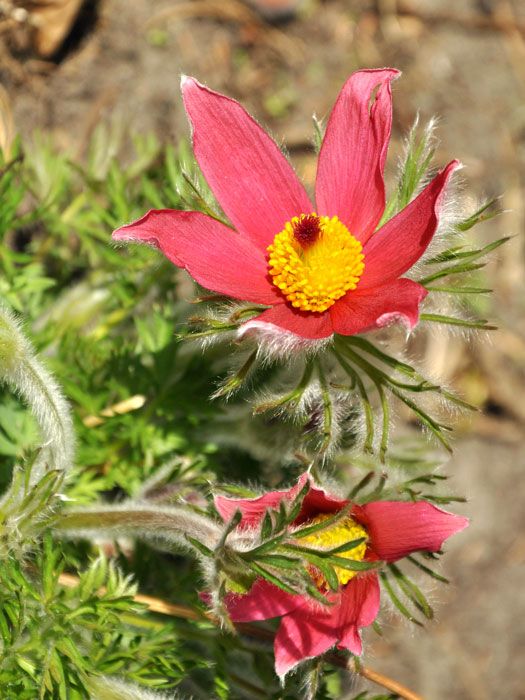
point(215, 256)
point(403, 240)
point(262, 602)
point(364, 310)
point(253, 509)
point(252, 180)
point(310, 630)
point(397, 529)
point(358, 608)
point(317, 501)
point(352, 158)
point(304, 324)
point(302, 635)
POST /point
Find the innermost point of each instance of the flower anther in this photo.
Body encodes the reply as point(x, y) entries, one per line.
point(339, 534)
point(314, 261)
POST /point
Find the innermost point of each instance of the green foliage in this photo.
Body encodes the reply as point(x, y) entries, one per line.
point(53, 638)
point(82, 298)
point(419, 152)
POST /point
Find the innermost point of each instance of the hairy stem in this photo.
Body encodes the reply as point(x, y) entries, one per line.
point(25, 374)
point(168, 524)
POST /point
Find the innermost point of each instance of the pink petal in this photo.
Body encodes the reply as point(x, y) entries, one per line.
point(303, 634)
point(253, 509)
point(310, 630)
point(403, 240)
point(252, 180)
point(317, 501)
point(358, 608)
point(262, 602)
point(352, 158)
point(364, 310)
point(313, 326)
point(215, 256)
point(397, 529)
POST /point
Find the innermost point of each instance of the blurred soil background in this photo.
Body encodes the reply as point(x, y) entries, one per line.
point(67, 65)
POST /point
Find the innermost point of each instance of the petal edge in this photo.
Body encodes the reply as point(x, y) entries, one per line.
point(252, 180)
point(262, 602)
point(400, 243)
point(215, 256)
point(399, 528)
point(352, 158)
point(365, 310)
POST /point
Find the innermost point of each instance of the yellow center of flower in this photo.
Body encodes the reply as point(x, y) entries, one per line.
point(344, 531)
point(314, 261)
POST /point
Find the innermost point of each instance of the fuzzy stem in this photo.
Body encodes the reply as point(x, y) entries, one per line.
point(164, 524)
point(236, 380)
point(327, 432)
point(293, 396)
point(108, 688)
point(365, 402)
point(24, 373)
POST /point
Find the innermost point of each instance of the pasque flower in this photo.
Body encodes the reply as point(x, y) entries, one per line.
point(391, 530)
point(320, 269)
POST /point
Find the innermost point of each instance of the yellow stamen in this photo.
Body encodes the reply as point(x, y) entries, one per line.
point(314, 261)
point(345, 530)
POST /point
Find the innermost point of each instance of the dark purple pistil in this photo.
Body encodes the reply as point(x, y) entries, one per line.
point(307, 230)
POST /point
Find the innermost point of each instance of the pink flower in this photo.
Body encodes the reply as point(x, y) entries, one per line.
point(392, 530)
point(322, 269)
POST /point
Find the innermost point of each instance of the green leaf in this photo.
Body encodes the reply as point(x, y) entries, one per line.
point(451, 270)
point(434, 427)
point(318, 133)
point(26, 665)
point(4, 630)
point(459, 290)
point(365, 402)
point(199, 546)
point(395, 600)
point(265, 546)
point(427, 570)
point(372, 349)
point(363, 483)
point(308, 530)
point(279, 560)
point(455, 254)
point(454, 321)
point(351, 565)
point(271, 578)
point(232, 524)
point(296, 505)
point(67, 647)
point(266, 526)
point(51, 568)
point(282, 517)
point(412, 592)
point(418, 157)
point(316, 594)
point(326, 570)
point(479, 215)
point(348, 546)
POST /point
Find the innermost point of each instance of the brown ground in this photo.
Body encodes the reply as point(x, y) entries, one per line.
point(463, 60)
